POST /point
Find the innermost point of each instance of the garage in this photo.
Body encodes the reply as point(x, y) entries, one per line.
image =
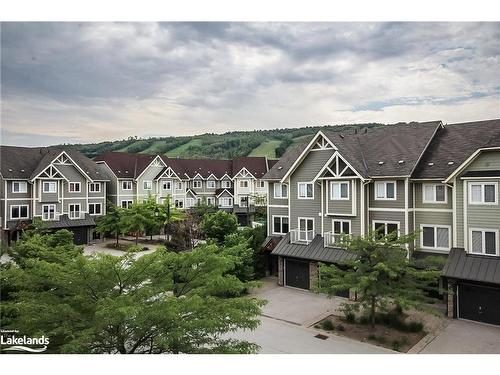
point(479, 303)
point(297, 273)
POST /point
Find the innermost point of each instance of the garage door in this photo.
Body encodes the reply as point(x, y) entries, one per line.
point(297, 273)
point(479, 303)
point(80, 235)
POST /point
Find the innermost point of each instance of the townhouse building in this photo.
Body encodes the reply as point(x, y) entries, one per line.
point(61, 187)
point(232, 185)
point(438, 180)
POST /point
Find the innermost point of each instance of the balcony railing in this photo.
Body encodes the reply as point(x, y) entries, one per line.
point(301, 236)
point(329, 239)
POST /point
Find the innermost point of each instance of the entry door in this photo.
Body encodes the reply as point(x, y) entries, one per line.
point(297, 273)
point(479, 303)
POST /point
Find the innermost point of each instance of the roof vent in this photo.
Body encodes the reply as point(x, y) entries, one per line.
point(451, 162)
point(401, 161)
point(22, 170)
point(380, 162)
point(341, 136)
point(280, 167)
point(10, 170)
point(431, 164)
point(119, 171)
point(126, 171)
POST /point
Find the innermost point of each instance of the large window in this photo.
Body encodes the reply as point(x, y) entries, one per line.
point(74, 211)
point(435, 237)
point(74, 187)
point(305, 190)
point(126, 185)
point(261, 184)
point(49, 187)
point(385, 190)
point(147, 185)
point(226, 184)
point(383, 228)
point(280, 224)
point(48, 212)
point(197, 184)
point(19, 187)
point(226, 202)
point(210, 184)
point(280, 191)
point(306, 229)
point(178, 185)
point(126, 203)
point(434, 193)
point(340, 227)
point(95, 187)
point(19, 211)
point(339, 190)
point(189, 202)
point(483, 193)
point(244, 184)
point(95, 208)
point(211, 201)
point(484, 241)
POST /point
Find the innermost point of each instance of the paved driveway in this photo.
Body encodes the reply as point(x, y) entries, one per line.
point(463, 337)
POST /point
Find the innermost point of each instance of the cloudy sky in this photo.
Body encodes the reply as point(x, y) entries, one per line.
point(74, 82)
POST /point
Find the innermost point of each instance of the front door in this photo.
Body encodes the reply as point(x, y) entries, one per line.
point(296, 273)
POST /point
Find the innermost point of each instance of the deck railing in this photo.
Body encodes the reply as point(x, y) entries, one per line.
point(301, 236)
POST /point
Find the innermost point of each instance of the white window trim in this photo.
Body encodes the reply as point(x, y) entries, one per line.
point(435, 226)
point(21, 183)
point(332, 198)
point(341, 221)
point(128, 183)
point(306, 218)
point(281, 224)
point(181, 200)
point(79, 210)
point(165, 183)
point(280, 190)
point(385, 222)
point(95, 184)
point(75, 184)
point(483, 244)
point(385, 190)
point(225, 184)
point(129, 202)
point(211, 201)
point(95, 204)
point(247, 183)
point(298, 190)
point(19, 206)
point(195, 183)
point(48, 183)
point(434, 201)
point(144, 185)
point(209, 182)
point(225, 199)
point(482, 184)
point(48, 205)
point(180, 184)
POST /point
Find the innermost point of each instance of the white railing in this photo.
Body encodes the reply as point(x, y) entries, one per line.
point(329, 239)
point(301, 236)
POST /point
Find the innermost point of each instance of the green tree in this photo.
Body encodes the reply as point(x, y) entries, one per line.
point(169, 214)
point(136, 219)
point(218, 225)
point(112, 222)
point(162, 302)
point(381, 273)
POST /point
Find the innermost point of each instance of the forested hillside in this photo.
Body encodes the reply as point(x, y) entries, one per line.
point(270, 143)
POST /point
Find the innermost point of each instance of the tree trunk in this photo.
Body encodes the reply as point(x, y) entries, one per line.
point(117, 239)
point(372, 312)
point(137, 238)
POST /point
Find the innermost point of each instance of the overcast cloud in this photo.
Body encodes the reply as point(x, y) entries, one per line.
point(82, 82)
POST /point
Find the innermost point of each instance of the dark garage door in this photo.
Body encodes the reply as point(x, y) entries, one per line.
point(79, 235)
point(479, 303)
point(297, 273)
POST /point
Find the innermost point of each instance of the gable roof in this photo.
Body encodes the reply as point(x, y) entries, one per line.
point(125, 165)
point(456, 143)
point(28, 162)
point(256, 165)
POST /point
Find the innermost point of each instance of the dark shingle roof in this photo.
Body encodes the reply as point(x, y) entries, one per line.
point(280, 168)
point(27, 162)
point(463, 266)
point(256, 165)
point(455, 143)
point(314, 251)
point(125, 165)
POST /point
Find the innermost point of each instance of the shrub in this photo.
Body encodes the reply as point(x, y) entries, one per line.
point(414, 327)
point(396, 345)
point(372, 337)
point(328, 325)
point(340, 328)
point(348, 312)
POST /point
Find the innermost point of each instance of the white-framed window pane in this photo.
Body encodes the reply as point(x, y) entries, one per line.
point(390, 189)
point(19, 187)
point(428, 237)
point(277, 225)
point(476, 193)
point(477, 242)
point(346, 227)
point(380, 190)
point(429, 193)
point(309, 191)
point(335, 191)
point(489, 193)
point(490, 243)
point(336, 227)
point(344, 190)
point(302, 190)
point(440, 193)
point(392, 228)
point(443, 237)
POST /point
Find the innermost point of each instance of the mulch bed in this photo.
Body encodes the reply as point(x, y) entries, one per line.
point(381, 335)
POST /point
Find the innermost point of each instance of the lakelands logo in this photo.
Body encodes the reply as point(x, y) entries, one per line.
point(22, 343)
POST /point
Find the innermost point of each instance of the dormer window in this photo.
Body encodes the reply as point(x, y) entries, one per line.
point(226, 184)
point(210, 184)
point(197, 184)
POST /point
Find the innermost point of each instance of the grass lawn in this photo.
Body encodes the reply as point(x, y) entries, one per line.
point(134, 144)
point(155, 148)
point(267, 148)
point(179, 151)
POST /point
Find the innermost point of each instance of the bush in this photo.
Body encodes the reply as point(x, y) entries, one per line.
point(396, 345)
point(328, 325)
point(414, 327)
point(340, 328)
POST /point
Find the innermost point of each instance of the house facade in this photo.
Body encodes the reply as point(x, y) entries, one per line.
point(62, 188)
point(441, 181)
point(234, 186)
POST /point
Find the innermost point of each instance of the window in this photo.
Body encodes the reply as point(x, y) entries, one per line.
point(50, 187)
point(210, 184)
point(167, 185)
point(226, 202)
point(48, 212)
point(95, 208)
point(305, 190)
point(261, 184)
point(19, 187)
point(74, 187)
point(243, 201)
point(126, 204)
point(147, 185)
point(179, 203)
point(382, 228)
point(197, 184)
point(95, 187)
point(189, 202)
point(339, 190)
point(126, 185)
point(19, 211)
point(74, 211)
point(340, 227)
point(484, 241)
point(244, 184)
point(482, 193)
point(226, 184)
point(211, 201)
point(306, 229)
point(435, 193)
point(385, 190)
point(280, 191)
point(178, 185)
point(280, 224)
point(435, 237)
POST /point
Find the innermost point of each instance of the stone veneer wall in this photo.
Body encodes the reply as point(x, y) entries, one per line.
point(280, 271)
point(451, 299)
point(313, 274)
